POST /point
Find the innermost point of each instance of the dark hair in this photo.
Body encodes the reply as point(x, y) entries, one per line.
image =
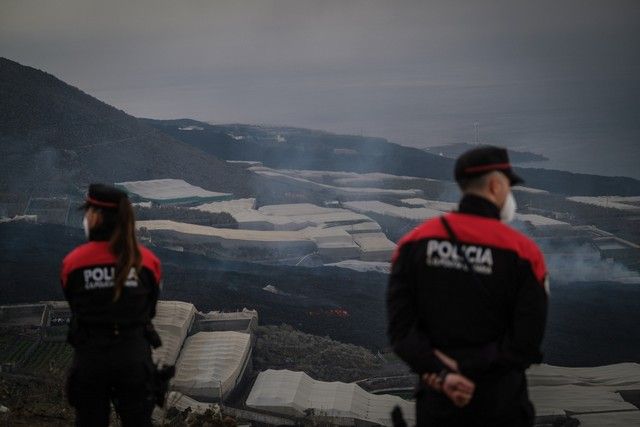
point(473, 183)
point(123, 243)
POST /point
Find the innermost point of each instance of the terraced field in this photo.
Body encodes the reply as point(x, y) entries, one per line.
point(15, 349)
point(32, 356)
point(49, 357)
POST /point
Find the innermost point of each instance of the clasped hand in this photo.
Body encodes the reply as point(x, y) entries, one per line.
point(458, 388)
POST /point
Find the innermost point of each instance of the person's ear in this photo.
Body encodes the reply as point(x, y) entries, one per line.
point(94, 218)
point(498, 188)
point(505, 187)
point(494, 187)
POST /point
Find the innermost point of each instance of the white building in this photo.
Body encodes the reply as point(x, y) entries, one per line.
point(592, 395)
point(241, 321)
point(288, 217)
point(381, 208)
point(226, 238)
point(293, 177)
point(212, 364)
point(631, 203)
point(431, 204)
point(331, 243)
point(171, 191)
point(173, 321)
point(295, 394)
point(542, 222)
point(374, 246)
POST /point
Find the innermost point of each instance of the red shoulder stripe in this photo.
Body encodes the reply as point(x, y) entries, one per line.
point(151, 261)
point(483, 168)
point(97, 253)
point(474, 229)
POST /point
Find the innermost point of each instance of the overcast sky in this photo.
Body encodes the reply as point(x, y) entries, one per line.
point(560, 78)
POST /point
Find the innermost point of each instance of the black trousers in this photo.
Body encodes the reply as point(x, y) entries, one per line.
point(117, 370)
point(500, 400)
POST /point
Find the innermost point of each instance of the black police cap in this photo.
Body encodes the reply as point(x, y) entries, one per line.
point(104, 196)
point(482, 160)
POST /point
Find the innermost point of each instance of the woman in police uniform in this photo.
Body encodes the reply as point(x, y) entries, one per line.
point(112, 285)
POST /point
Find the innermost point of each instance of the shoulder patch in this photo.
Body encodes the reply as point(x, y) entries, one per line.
point(91, 253)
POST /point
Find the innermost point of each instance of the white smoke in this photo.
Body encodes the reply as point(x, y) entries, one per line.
point(584, 263)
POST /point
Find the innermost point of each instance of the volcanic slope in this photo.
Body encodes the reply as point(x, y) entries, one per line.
point(54, 139)
point(295, 148)
point(590, 323)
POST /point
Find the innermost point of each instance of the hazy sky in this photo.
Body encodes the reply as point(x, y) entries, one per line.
point(560, 78)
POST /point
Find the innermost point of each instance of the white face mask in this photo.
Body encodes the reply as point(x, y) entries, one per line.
point(508, 211)
point(85, 225)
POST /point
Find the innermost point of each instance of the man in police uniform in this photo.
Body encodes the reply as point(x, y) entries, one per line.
point(467, 303)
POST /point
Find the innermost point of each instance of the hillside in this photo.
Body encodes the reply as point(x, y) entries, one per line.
point(294, 148)
point(55, 138)
point(590, 323)
point(454, 150)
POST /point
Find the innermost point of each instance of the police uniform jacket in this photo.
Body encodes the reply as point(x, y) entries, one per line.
point(488, 320)
point(88, 280)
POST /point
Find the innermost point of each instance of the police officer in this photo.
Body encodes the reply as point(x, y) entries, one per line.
point(467, 303)
point(112, 286)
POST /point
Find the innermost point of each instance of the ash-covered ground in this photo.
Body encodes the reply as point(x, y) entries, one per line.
point(590, 323)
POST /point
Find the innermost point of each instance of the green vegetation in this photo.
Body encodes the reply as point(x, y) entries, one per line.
point(48, 358)
point(14, 348)
point(32, 356)
point(213, 417)
point(34, 391)
point(283, 347)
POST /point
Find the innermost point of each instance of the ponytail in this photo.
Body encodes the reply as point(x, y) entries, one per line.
point(124, 245)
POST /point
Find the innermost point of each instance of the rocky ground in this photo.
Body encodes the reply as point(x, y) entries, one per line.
point(283, 347)
point(34, 397)
point(34, 401)
point(40, 402)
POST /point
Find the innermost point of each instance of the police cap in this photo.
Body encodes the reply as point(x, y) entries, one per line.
point(482, 160)
point(104, 196)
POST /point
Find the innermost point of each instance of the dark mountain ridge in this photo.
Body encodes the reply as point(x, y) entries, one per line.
point(54, 139)
point(294, 148)
point(454, 150)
